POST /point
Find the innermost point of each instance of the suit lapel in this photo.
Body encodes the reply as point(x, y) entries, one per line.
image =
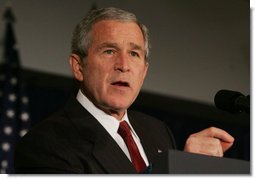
point(109, 154)
point(105, 150)
point(145, 139)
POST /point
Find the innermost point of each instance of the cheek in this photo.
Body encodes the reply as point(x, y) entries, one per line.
point(140, 77)
point(92, 78)
point(95, 78)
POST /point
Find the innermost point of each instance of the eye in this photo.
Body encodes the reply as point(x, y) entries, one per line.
point(108, 52)
point(134, 54)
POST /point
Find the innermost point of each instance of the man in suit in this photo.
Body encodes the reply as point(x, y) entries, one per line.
point(95, 132)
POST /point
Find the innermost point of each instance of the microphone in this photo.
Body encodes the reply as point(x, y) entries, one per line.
point(232, 101)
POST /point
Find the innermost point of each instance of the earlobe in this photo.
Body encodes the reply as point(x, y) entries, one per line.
point(75, 64)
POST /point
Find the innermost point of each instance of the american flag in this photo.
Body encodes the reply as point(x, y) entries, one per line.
point(14, 102)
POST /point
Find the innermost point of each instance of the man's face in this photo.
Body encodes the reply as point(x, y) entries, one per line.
point(115, 68)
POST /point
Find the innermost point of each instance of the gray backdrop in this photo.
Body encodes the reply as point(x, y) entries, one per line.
point(198, 46)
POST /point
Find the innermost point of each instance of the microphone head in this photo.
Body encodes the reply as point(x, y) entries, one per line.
point(226, 100)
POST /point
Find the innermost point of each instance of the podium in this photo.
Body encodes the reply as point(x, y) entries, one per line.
point(179, 162)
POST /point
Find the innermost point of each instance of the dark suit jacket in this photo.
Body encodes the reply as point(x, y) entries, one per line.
point(73, 141)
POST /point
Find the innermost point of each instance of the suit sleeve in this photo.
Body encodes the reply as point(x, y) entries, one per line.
point(171, 136)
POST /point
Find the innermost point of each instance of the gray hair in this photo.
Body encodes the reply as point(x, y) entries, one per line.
point(81, 40)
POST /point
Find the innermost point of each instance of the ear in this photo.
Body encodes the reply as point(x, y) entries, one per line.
point(76, 66)
point(145, 70)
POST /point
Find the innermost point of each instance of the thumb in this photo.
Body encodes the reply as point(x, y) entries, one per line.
point(226, 145)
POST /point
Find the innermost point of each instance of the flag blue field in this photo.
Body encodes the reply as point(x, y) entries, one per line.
point(14, 102)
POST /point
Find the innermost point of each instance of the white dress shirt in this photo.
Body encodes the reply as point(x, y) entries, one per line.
point(111, 124)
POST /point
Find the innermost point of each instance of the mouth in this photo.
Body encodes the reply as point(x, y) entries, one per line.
point(120, 84)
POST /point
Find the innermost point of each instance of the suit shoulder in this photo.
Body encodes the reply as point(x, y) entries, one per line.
point(142, 117)
point(153, 129)
point(148, 122)
point(51, 144)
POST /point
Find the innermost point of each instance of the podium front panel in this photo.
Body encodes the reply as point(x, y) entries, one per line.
point(179, 162)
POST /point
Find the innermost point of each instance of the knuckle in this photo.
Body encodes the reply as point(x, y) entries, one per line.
point(217, 142)
point(212, 129)
point(189, 140)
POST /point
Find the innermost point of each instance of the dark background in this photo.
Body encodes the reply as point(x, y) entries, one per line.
point(198, 46)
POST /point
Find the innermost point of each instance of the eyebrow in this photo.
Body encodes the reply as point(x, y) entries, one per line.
point(116, 46)
point(108, 45)
point(136, 47)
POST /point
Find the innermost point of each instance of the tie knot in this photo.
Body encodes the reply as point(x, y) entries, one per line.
point(124, 129)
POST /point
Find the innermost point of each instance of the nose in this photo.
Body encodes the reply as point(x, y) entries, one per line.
point(122, 63)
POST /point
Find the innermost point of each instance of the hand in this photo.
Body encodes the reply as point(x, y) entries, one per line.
point(211, 141)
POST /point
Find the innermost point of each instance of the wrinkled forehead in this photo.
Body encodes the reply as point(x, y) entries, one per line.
point(114, 31)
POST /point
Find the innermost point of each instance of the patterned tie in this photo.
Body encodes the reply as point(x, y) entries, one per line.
point(136, 158)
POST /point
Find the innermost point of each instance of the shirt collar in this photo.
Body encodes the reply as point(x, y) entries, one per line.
point(110, 123)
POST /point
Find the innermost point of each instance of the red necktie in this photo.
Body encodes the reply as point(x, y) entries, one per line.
point(136, 158)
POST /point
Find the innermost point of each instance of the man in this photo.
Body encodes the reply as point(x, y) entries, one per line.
point(95, 133)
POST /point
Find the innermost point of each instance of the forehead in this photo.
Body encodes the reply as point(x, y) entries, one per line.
point(117, 32)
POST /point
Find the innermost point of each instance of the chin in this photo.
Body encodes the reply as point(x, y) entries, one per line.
point(119, 105)
point(118, 102)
